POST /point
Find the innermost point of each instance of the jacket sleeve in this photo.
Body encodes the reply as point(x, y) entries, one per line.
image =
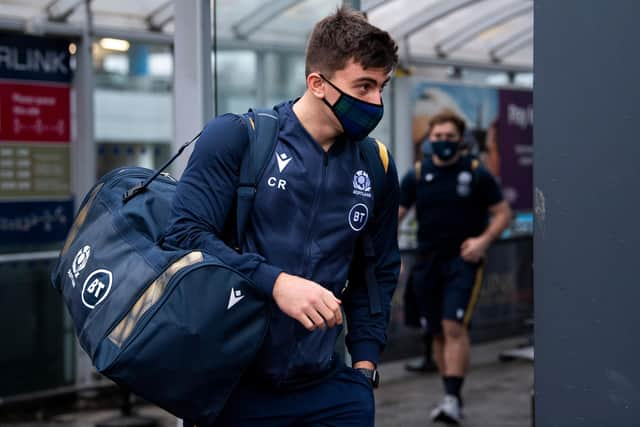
point(204, 199)
point(367, 333)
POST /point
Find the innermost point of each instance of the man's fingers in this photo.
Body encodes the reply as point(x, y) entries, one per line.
point(306, 322)
point(334, 305)
point(318, 321)
point(331, 302)
point(339, 316)
point(327, 314)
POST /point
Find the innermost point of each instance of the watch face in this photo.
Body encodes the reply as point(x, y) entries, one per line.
point(375, 378)
point(372, 375)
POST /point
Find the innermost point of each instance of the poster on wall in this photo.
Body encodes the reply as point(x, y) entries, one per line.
point(33, 222)
point(499, 130)
point(34, 171)
point(34, 112)
point(514, 140)
point(35, 58)
point(35, 133)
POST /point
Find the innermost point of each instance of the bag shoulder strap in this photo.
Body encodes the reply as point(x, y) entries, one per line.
point(262, 128)
point(384, 155)
point(472, 165)
point(377, 158)
point(418, 169)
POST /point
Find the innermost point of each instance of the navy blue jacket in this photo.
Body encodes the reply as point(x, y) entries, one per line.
point(310, 207)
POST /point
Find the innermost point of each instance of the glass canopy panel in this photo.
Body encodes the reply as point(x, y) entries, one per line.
point(289, 27)
point(295, 24)
point(396, 15)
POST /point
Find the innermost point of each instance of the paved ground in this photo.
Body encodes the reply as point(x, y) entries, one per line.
point(497, 394)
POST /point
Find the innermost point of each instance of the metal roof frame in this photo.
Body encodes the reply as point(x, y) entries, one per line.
point(60, 10)
point(53, 20)
point(161, 16)
point(511, 45)
point(458, 39)
point(75, 31)
point(260, 16)
point(426, 61)
point(427, 16)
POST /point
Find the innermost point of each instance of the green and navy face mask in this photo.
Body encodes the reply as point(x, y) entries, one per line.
point(358, 118)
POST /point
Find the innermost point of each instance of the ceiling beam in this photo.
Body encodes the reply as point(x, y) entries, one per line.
point(161, 16)
point(428, 16)
point(60, 10)
point(427, 61)
point(511, 45)
point(260, 16)
point(490, 20)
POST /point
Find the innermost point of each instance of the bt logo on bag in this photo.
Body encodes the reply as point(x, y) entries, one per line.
point(96, 288)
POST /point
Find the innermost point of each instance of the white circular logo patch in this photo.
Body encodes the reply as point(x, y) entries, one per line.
point(358, 216)
point(428, 177)
point(96, 288)
point(361, 181)
point(463, 190)
point(464, 177)
point(81, 259)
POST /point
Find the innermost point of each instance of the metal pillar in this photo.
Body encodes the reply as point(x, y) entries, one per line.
point(83, 149)
point(193, 93)
point(402, 114)
point(586, 204)
point(262, 81)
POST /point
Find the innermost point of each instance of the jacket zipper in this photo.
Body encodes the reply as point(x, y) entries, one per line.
point(314, 210)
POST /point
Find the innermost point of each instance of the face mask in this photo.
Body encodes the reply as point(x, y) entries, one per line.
point(358, 118)
point(445, 150)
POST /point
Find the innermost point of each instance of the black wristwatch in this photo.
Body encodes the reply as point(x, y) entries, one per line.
point(372, 375)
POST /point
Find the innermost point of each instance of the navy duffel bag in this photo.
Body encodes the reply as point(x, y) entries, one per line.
point(176, 327)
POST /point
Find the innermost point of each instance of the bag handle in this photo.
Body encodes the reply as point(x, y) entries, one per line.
point(142, 186)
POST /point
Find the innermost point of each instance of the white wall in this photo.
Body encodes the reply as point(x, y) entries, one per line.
point(133, 116)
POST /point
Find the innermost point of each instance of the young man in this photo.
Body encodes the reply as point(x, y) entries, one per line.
point(310, 208)
point(454, 197)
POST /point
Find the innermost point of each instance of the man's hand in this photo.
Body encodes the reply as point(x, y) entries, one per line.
point(474, 248)
point(307, 302)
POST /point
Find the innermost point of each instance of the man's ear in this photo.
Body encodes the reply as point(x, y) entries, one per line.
point(316, 85)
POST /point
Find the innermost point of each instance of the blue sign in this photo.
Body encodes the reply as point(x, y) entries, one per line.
point(35, 222)
point(35, 58)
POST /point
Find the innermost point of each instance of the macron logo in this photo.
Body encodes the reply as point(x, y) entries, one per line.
point(283, 161)
point(234, 298)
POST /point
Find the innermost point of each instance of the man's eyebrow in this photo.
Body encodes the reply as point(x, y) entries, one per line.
point(370, 80)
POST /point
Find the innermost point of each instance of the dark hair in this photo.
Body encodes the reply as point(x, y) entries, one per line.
point(448, 116)
point(348, 35)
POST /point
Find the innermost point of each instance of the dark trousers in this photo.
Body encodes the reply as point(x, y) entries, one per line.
point(344, 399)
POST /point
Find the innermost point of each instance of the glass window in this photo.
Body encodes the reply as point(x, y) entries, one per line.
point(236, 83)
point(139, 76)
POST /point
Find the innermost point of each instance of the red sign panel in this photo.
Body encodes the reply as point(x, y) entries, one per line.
point(34, 112)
